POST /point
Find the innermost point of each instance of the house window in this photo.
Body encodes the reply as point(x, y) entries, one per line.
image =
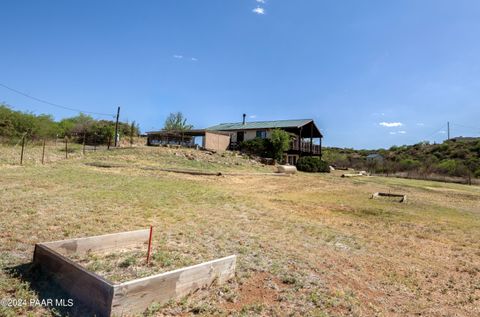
point(262, 134)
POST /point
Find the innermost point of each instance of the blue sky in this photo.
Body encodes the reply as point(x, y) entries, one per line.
point(371, 73)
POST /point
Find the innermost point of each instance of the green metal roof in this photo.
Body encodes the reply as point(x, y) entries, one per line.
point(261, 125)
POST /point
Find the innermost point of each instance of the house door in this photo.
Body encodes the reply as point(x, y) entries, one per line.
point(240, 136)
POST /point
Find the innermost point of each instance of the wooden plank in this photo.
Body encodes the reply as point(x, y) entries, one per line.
point(92, 290)
point(390, 195)
point(100, 243)
point(135, 296)
point(403, 198)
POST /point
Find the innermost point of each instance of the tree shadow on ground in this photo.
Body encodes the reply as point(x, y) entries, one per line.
point(63, 304)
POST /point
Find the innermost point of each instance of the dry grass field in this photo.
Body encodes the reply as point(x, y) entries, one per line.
point(307, 245)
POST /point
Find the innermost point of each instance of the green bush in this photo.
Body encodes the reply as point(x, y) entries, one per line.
point(16, 123)
point(273, 147)
point(257, 146)
point(477, 173)
point(313, 165)
point(409, 164)
point(280, 143)
point(448, 167)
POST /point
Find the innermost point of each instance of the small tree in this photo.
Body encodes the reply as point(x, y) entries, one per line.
point(280, 143)
point(176, 122)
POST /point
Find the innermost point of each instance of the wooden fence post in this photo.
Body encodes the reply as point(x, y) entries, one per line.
point(23, 146)
point(43, 152)
point(131, 134)
point(149, 245)
point(83, 144)
point(66, 148)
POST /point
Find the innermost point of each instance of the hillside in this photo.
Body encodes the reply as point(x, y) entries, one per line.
point(458, 157)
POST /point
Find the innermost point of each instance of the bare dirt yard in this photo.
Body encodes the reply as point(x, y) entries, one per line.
point(307, 245)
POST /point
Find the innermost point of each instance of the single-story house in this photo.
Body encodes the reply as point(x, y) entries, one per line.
point(303, 132)
point(306, 138)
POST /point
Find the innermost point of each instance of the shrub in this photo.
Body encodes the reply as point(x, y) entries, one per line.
point(477, 173)
point(448, 167)
point(280, 143)
point(409, 164)
point(257, 146)
point(16, 123)
point(313, 165)
point(274, 147)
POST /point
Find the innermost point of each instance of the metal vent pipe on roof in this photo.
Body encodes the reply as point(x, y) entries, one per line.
point(243, 122)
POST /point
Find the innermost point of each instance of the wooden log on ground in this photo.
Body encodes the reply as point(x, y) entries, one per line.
point(403, 198)
point(106, 165)
point(181, 171)
point(256, 174)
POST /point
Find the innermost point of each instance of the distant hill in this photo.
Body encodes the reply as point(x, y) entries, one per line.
point(458, 157)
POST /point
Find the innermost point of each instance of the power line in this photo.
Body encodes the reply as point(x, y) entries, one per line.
point(436, 132)
point(471, 129)
point(54, 104)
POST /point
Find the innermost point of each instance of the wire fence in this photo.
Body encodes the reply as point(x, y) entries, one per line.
point(24, 150)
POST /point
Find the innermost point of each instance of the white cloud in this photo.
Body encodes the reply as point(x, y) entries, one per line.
point(442, 132)
point(260, 1)
point(177, 56)
point(420, 124)
point(402, 132)
point(193, 59)
point(259, 10)
point(393, 132)
point(253, 116)
point(391, 124)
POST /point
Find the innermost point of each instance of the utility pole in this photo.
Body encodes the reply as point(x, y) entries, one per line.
point(116, 126)
point(448, 130)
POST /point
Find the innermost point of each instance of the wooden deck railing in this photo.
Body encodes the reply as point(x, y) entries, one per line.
point(304, 146)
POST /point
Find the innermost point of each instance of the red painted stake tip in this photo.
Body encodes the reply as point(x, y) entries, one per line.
point(149, 245)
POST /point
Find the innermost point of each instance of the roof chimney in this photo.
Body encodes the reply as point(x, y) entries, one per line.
point(244, 115)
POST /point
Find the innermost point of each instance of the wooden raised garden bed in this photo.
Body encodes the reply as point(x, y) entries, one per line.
point(108, 298)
